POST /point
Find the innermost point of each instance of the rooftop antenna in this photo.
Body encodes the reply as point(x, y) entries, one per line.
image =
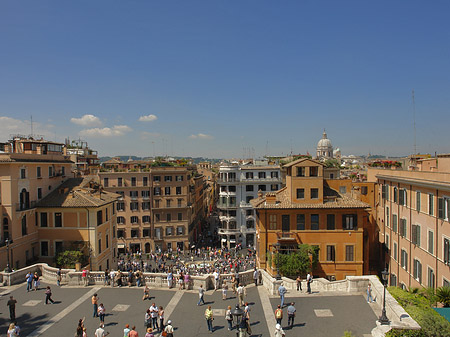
point(31, 118)
point(414, 116)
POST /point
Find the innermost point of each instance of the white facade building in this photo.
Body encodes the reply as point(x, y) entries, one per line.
point(324, 148)
point(238, 184)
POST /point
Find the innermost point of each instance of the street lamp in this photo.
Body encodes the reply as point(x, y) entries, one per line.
point(8, 268)
point(277, 250)
point(237, 314)
point(383, 318)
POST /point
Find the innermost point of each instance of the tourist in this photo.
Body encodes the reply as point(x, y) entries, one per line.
point(48, 295)
point(101, 312)
point(100, 332)
point(209, 318)
point(149, 333)
point(169, 279)
point(241, 291)
point(224, 291)
point(181, 281)
point(216, 275)
point(309, 280)
point(278, 314)
point(29, 278)
point(201, 293)
point(299, 283)
point(169, 329)
point(133, 332)
point(243, 327)
point(126, 331)
point(369, 293)
point(256, 276)
point(11, 330)
point(279, 331)
point(147, 319)
point(291, 314)
point(80, 327)
point(106, 280)
point(112, 277)
point(154, 315)
point(146, 293)
point(161, 318)
point(36, 281)
point(94, 301)
point(12, 308)
point(84, 276)
point(229, 318)
point(84, 332)
point(282, 291)
point(58, 277)
point(187, 280)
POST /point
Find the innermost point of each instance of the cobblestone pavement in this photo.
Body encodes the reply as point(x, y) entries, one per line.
point(317, 314)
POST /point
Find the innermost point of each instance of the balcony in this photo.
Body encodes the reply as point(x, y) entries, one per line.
point(288, 237)
point(245, 204)
point(268, 180)
point(25, 206)
point(226, 231)
point(227, 180)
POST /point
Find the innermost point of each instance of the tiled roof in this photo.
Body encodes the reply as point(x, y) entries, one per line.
point(295, 162)
point(77, 192)
point(283, 201)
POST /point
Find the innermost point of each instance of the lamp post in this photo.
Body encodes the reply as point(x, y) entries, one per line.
point(237, 314)
point(8, 268)
point(383, 318)
point(277, 250)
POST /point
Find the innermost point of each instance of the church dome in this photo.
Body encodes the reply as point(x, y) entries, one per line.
point(324, 142)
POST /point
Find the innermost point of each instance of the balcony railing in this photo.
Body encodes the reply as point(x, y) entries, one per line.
point(23, 206)
point(229, 231)
point(256, 179)
point(290, 236)
point(227, 180)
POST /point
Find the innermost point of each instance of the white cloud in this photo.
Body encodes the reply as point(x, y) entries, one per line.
point(148, 118)
point(9, 126)
point(87, 120)
point(116, 130)
point(201, 136)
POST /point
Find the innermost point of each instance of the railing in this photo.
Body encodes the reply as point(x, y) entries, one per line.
point(256, 179)
point(24, 206)
point(227, 180)
point(245, 204)
point(287, 236)
point(227, 231)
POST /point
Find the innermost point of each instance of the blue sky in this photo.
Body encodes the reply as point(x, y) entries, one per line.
point(217, 77)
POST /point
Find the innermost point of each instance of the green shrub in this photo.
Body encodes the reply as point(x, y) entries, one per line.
point(68, 258)
point(443, 296)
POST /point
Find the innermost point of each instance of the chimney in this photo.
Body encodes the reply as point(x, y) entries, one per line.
point(271, 198)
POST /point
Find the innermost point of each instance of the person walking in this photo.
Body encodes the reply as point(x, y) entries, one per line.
point(240, 291)
point(216, 275)
point(80, 328)
point(169, 279)
point(201, 294)
point(133, 332)
point(278, 314)
point(169, 329)
point(209, 318)
point(58, 277)
point(112, 277)
point(29, 279)
point(224, 291)
point(100, 332)
point(154, 316)
point(12, 308)
point(161, 318)
point(84, 276)
point(147, 319)
point(282, 291)
point(291, 314)
point(299, 283)
point(369, 293)
point(126, 331)
point(48, 295)
point(94, 301)
point(106, 278)
point(101, 312)
point(309, 279)
point(36, 281)
point(256, 276)
point(11, 330)
point(229, 318)
point(279, 331)
point(149, 333)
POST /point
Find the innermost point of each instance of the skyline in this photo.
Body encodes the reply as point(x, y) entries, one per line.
point(213, 79)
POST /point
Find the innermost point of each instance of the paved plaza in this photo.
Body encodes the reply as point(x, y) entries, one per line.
point(317, 314)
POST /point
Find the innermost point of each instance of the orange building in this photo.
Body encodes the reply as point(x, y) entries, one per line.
point(78, 215)
point(315, 211)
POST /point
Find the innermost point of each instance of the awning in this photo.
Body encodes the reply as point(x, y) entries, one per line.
point(120, 245)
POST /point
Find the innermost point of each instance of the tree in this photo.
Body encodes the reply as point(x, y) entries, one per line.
point(299, 261)
point(443, 296)
point(68, 258)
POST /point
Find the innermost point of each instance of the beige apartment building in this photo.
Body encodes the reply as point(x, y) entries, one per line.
point(413, 211)
point(159, 206)
point(29, 170)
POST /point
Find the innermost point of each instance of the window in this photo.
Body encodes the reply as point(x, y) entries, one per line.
point(99, 246)
point(349, 221)
point(387, 217)
point(145, 194)
point(384, 192)
point(114, 231)
point(119, 182)
point(157, 217)
point(431, 278)
point(274, 174)
point(157, 178)
point(387, 243)
point(133, 194)
point(395, 251)
point(44, 222)
point(179, 202)
point(169, 231)
point(395, 194)
point(250, 224)
point(274, 187)
point(446, 251)
point(106, 182)
point(445, 283)
point(167, 178)
point(415, 235)
point(58, 220)
point(157, 191)
point(314, 193)
point(441, 208)
point(314, 221)
point(300, 193)
point(418, 201)
point(133, 181)
point(158, 233)
point(24, 225)
point(248, 175)
point(364, 190)
point(178, 178)
point(180, 230)
point(134, 206)
point(313, 171)
point(349, 253)
point(99, 218)
point(402, 200)
point(146, 232)
point(300, 222)
point(23, 173)
point(121, 206)
point(394, 223)
point(106, 214)
point(248, 212)
point(178, 190)
point(431, 242)
point(180, 216)
point(417, 270)
point(166, 190)
point(393, 280)
point(168, 217)
point(403, 230)
point(331, 253)
point(44, 248)
point(145, 181)
point(404, 259)
point(120, 220)
point(146, 219)
point(301, 171)
point(135, 233)
point(272, 221)
point(262, 175)
point(249, 188)
point(39, 192)
point(120, 233)
point(430, 204)
point(58, 247)
point(63, 171)
point(38, 172)
point(261, 188)
point(134, 219)
point(146, 205)
point(107, 240)
point(232, 188)
point(331, 222)
point(50, 171)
